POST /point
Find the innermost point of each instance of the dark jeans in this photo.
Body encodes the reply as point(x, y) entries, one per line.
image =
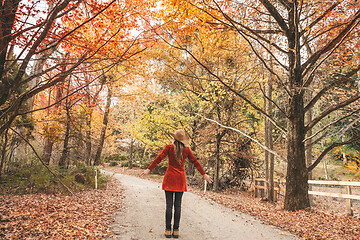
point(169, 206)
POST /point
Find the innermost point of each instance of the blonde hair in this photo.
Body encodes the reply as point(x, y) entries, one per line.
point(179, 146)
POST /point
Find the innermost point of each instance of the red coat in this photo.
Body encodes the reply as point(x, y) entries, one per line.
point(175, 177)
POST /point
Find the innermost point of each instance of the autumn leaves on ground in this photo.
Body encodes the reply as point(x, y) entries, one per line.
point(57, 216)
point(89, 215)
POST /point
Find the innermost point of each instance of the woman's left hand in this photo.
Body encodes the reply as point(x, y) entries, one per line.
point(145, 172)
point(208, 178)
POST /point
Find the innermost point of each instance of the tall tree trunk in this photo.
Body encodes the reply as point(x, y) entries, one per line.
point(88, 144)
point(49, 138)
point(269, 157)
point(308, 143)
point(65, 151)
point(48, 146)
point(131, 152)
point(7, 18)
point(296, 196)
point(39, 62)
point(217, 162)
point(48, 142)
point(190, 167)
point(103, 128)
point(3, 151)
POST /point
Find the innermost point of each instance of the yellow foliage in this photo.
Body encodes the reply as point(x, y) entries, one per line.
point(354, 168)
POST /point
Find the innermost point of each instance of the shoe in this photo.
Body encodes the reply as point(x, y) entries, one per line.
point(167, 233)
point(175, 233)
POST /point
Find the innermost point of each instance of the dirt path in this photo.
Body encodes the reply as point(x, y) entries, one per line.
point(144, 209)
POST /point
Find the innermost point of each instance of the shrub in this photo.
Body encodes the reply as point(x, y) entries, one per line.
point(37, 179)
point(124, 164)
point(80, 178)
point(116, 157)
point(113, 163)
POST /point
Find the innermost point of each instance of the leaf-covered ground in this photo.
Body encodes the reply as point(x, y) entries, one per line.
point(312, 224)
point(44, 216)
point(41, 216)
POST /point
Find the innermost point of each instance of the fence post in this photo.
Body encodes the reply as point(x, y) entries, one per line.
point(349, 211)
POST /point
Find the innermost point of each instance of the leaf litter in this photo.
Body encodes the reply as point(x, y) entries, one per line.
point(59, 216)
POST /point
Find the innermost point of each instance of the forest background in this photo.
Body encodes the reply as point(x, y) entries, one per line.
point(264, 89)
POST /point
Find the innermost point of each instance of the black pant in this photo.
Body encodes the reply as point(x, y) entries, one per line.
point(169, 205)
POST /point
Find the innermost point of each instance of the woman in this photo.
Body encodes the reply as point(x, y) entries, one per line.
point(174, 182)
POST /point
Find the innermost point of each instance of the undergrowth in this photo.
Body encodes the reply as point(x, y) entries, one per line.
point(37, 178)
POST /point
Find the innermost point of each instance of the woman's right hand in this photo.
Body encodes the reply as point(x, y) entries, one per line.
point(145, 172)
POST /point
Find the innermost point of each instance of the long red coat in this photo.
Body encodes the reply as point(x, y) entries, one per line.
point(175, 177)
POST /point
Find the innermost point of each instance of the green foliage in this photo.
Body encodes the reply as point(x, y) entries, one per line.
point(113, 163)
point(116, 157)
point(124, 164)
point(37, 179)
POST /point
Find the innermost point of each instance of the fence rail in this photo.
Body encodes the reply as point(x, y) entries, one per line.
point(280, 187)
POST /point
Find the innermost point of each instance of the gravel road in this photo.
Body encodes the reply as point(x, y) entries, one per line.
point(143, 214)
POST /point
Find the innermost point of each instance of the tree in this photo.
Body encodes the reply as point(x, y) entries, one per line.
point(46, 44)
point(179, 73)
point(294, 26)
point(103, 127)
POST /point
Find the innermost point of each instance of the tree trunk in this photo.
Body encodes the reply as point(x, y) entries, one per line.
point(269, 157)
point(88, 145)
point(217, 162)
point(7, 18)
point(65, 151)
point(103, 128)
point(131, 150)
point(326, 171)
point(190, 171)
point(308, 143)
point(48, 142)
point(47, 150)
point(3, 151)
point(37, 68)
point(296, 196)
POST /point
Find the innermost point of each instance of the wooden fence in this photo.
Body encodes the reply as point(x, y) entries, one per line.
point(280, 185)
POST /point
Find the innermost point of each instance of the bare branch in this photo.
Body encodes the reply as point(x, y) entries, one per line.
point(276, 15)
point(332, 123)
point(320, 17)
point(328, 149)
point(329, 86)
point(272, 101)
point(244, 134)
point(332, 109)
point(333, 44)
